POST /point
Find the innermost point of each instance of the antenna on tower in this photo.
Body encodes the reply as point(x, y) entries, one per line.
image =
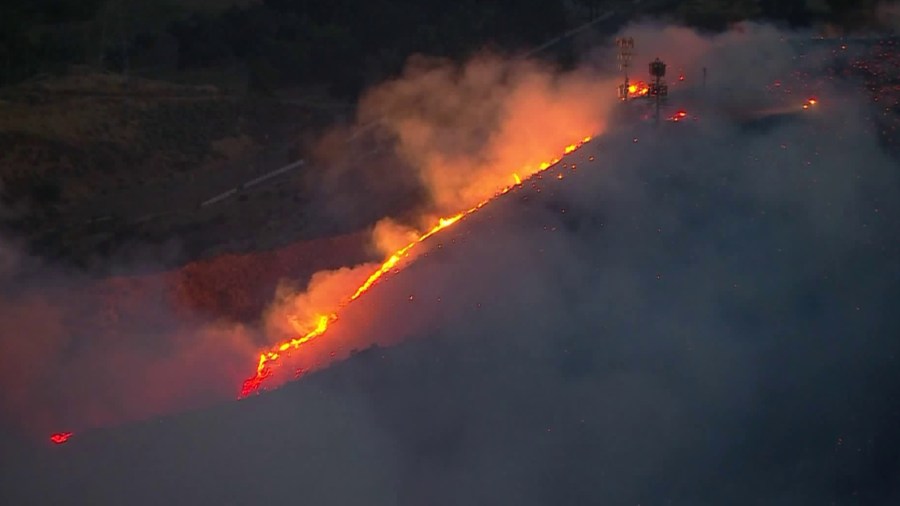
point(626, 49)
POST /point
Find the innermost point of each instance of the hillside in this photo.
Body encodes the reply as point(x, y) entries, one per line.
point(91, 163)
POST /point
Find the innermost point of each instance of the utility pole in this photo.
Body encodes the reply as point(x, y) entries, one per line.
point(658, 88)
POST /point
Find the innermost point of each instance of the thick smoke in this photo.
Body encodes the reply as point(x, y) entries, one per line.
point(696, 313)
point(700, 315)
point(78, 352)
point(697, 316)
point(468, 131)
point(468, 128)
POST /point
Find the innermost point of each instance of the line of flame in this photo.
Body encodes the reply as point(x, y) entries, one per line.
point(266, 358)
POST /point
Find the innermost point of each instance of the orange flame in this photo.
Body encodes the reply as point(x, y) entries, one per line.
point(267, 358)
point(638, 89)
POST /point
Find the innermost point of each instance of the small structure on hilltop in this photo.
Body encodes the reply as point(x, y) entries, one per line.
point(659, 88)
point(656, 88)
point(625, 45)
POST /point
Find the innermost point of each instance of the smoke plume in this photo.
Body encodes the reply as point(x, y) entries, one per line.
point(646, 262)
point(699, 312)
point(78, 352)
point(468, 128)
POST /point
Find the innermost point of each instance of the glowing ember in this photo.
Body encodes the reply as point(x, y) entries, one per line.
point(810, 102)
point(267, 358)
point(638, 89)
point(678, 116)
point(60, 437)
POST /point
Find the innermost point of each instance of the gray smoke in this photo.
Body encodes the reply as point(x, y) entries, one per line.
point(700, 315)
point(695, 313)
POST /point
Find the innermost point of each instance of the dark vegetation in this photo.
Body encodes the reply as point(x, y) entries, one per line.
point(718, 14)
point(343, 44)
point(75, 185)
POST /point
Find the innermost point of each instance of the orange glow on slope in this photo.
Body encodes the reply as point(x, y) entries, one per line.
point(60, 437)
point(267, 358)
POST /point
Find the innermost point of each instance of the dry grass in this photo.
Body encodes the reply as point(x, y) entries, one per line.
point(76, 148)
point(86, 108)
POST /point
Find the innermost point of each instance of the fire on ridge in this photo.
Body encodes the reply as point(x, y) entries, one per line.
point(322, 322)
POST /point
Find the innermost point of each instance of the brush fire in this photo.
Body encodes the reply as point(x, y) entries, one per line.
point(468, 132)
point(315, 327)
point(320, 325)
point(474, 133)
point(638, 89)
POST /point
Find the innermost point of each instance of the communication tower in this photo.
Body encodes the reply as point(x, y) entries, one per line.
point(626, 49)
point(658, 88)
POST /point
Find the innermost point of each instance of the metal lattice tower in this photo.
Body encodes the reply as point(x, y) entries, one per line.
point(626, 49)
